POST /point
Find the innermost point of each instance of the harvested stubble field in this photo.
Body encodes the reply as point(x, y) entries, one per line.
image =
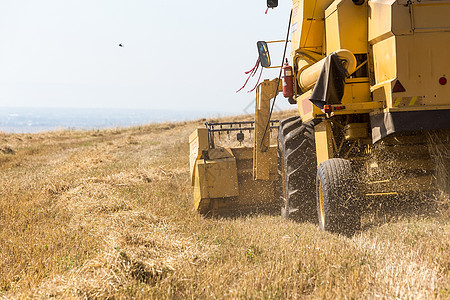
point(108, 214)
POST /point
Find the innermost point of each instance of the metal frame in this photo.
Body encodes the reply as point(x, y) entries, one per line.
point(248, 126)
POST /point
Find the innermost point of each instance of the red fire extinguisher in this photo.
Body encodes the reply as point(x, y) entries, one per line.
point(288, 81)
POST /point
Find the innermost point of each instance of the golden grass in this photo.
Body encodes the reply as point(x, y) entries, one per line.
point(108, 214)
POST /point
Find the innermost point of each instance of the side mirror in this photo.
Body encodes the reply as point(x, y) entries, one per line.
point(272, 3)
point(263, 52)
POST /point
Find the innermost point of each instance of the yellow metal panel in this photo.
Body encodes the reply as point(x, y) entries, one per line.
point(388, 17)
point(273, 163)
point(218, 178)
point(346, 27)
point(305, 107)
point(332, 32)
point(378, 93)
point(265, 92)
point(417, 60)
point(385, 64)
point(420, 67)
point(358, 108)
point(401, 19)
point(324, 143)
point(431, 16)
point(380, 20)
point(307, 26)
point(297, 15)
point(198, 141)
point(355, 92)
point(382, 92)
point(313, 38)
point(201, 205)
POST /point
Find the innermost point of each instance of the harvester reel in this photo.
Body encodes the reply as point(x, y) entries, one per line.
point(337, 193)
point(296, 169)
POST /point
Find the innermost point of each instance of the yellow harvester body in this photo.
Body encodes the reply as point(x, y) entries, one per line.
point(395, 102)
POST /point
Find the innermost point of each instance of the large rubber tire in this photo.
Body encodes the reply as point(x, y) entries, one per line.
point(337, 197)
point(297, 169)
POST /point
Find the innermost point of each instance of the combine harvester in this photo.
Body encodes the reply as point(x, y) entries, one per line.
point(370, 81)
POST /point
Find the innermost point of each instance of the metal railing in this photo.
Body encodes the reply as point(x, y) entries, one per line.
point(228, 127)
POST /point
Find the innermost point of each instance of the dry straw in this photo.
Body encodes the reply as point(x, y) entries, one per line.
point(107, 214)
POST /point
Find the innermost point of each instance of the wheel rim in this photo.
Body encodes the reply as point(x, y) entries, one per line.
point(321, 205)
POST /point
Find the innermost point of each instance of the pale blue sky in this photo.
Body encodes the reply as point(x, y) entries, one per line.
point(183, 55)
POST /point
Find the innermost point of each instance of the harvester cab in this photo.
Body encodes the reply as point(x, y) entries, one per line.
point(369, 81)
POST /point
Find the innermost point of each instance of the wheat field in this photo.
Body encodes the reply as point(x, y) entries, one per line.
point(107, 214)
